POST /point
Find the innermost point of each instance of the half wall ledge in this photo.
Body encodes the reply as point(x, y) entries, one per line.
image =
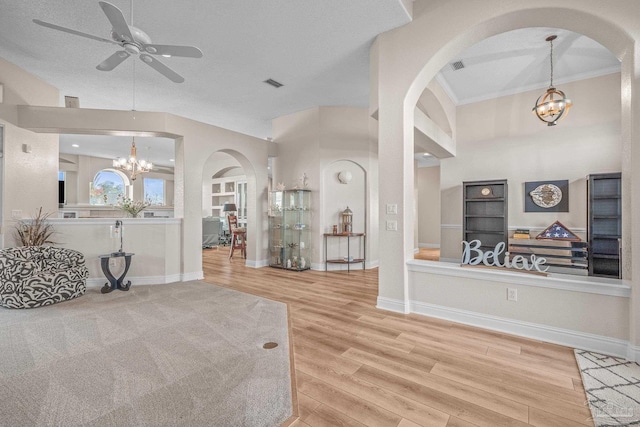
point(581, 312)
point(592, 285)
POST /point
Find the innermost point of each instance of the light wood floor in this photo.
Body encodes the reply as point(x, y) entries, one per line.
point(359, 366)
point(430, 254)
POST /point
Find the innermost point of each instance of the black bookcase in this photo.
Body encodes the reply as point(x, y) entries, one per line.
point(604, 207)
point(485, 213)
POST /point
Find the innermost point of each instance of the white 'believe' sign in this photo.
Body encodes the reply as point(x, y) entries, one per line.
point(473, 255)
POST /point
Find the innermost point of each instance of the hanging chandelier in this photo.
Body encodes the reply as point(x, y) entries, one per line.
point(133, 166)
point(553, 104)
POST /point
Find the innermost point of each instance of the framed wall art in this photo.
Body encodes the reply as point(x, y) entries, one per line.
point(546, 196)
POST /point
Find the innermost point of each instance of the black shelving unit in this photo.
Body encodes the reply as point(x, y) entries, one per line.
point(604, 194)
point(485, 213)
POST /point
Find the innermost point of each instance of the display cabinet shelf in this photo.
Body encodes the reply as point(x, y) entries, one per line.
point(485, 212)
point(290, 229)
point(604, 229)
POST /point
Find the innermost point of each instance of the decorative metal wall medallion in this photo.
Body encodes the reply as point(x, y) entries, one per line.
point(546, 195)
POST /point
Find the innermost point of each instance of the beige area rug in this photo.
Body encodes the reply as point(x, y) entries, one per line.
point(164, 355)
point(613, 388)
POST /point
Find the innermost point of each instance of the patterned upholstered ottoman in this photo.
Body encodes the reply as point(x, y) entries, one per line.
point(40, 275)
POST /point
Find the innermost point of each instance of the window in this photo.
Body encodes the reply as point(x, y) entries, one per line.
point(154, 191)
point(107, 186)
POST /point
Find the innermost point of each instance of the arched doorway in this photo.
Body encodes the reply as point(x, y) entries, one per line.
point(429, 43)
point(228, 178)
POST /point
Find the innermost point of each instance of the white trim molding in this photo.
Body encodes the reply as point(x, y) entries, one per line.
point(633, 353)
point(567, 337)
point(576, 339)
point(394, 305)
point(429, 245)
point(257, 264)
point(567, 282)
point(196, 275)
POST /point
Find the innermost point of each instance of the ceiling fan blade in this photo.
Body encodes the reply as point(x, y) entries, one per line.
point(70, 31)
point(113, 61)
point(165, 49)
point(117, 20)
point(161, 68)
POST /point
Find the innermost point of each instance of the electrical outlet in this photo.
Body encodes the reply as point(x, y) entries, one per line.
point(512, 294)
point(112, 263)
point(16, 214)
point(392, 225)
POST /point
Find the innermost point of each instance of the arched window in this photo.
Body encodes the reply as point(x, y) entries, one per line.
point(107, 186)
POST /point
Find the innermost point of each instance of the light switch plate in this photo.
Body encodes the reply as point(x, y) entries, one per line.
point(392, 209)
point(16, 214)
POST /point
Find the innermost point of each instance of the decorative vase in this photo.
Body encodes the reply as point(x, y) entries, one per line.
point(289, 263)
point(303, 262)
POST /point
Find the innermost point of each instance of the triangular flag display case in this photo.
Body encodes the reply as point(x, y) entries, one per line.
point(558, 231)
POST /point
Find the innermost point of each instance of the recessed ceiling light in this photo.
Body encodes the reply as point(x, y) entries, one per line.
point(172, 160)
point(75, 145)
point(426, 155)
point(167, 56)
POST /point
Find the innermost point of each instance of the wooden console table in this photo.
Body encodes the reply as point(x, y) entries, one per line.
point(114, 283)
point(348, 260)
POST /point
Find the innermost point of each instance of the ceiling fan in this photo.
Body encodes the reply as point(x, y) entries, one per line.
point(134, 41)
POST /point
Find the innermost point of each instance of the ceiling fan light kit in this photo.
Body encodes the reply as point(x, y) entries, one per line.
point(553, 105)
point(134, 41)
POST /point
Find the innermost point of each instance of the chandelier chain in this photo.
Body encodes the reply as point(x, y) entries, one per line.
point(551, 41)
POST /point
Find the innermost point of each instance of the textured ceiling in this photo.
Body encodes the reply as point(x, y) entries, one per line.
point(518, 61)
point(319, 50)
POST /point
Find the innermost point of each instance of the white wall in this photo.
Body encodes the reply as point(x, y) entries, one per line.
point(155, 243)
point(337, 197)
point(310, 141)
point(195, 142)
point(429, 207)
point(36, 171)
point(520, 148)
point(406, 59)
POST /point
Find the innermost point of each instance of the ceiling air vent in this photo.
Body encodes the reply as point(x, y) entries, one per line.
point(458, 65)
point(273, 83)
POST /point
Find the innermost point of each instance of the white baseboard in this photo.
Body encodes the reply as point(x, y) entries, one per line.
point(455, 260)
point(142, 280)
point(391, 304)
point(196, 275)
point(429, 245)
point(566, 337)
point(633, 353)
point(257, 264)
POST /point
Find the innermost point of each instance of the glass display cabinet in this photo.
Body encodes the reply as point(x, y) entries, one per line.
point(289, 229)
